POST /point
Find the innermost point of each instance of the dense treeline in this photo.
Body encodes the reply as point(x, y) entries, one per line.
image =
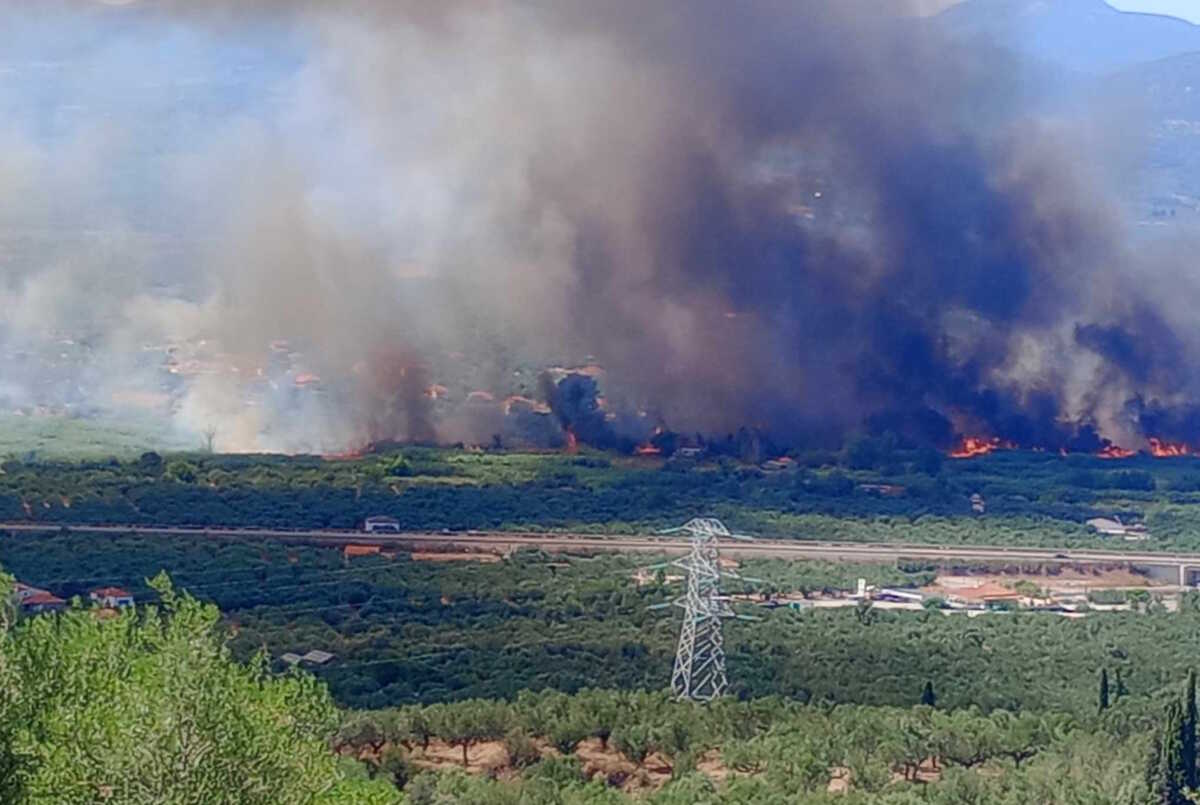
point(148, 707)
point(1031, 498)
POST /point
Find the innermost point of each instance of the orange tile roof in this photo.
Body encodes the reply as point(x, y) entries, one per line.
point(112, 592)
point(41, 597)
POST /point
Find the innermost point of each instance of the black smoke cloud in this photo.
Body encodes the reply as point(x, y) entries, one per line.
point(947, 231)
point(804, 217)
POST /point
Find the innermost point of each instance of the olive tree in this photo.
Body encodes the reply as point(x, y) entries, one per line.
point(149, 707)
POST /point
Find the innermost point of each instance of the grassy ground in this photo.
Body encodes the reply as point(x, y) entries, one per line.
point(66, 437)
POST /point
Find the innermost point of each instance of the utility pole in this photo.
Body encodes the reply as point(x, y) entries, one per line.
point(699, 671)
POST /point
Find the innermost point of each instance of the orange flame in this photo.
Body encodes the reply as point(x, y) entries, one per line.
point(348, 455)
point(647, 449)
point(572, 442)
point(1115, 451)
point(1164, 449)
point(972, 446)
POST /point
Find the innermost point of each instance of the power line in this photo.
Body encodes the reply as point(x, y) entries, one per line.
point(225, 574)
point(441, 652)
point(140, 578)
point(208, 587)
point(304, 609)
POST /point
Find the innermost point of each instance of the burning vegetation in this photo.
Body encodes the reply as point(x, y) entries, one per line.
point(972, 446)
point(1114, 451)
point(1164, 449)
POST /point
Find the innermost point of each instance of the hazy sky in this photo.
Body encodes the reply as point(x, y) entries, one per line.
point(1185, 9)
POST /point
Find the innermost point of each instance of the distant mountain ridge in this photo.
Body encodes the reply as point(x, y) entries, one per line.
point(1085, 35)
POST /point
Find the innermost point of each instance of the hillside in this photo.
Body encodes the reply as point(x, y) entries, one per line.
point(1166, 93)
point(1085, 35)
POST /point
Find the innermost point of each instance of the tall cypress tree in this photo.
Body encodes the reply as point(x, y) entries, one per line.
point(1155, 774)
point(1165, 773)
point(1187, 737)
point(928, 697)
point(1103, 689)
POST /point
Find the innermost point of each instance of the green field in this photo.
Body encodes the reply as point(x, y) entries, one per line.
point(36, 437)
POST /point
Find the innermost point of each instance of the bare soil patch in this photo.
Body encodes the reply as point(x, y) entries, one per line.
point(487, 757)
point(435, 556)
point(1069, 580)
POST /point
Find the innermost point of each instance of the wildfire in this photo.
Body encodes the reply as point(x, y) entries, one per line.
point(572, 442)
point(352, 454)
point(1164, 449)
point(1115, 451)
point(647, 449)
point(972, 446)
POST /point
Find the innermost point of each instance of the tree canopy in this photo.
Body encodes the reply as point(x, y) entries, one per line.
point(149, 707)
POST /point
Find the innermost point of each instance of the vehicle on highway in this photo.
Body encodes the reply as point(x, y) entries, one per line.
point(381, 523)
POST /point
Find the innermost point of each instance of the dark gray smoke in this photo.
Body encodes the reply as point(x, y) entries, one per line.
point(841, 219)
point(803, 217)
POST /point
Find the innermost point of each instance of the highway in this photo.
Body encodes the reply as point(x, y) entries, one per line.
point(766, 548)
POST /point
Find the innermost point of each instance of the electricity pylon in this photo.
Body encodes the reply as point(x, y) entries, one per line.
point(699, 671)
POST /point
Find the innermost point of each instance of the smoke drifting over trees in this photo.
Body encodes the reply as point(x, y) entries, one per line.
point(805, 217)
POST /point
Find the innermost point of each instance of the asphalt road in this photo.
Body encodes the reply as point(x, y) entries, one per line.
point(768, 548)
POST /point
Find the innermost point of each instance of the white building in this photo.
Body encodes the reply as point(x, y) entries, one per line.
point(317, 657)
point(1113, 527)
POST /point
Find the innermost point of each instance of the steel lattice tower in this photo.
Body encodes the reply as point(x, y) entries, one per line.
point(699, 672)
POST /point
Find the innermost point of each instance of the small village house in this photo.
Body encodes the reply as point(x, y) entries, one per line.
point(111, 597)
point(33, 600)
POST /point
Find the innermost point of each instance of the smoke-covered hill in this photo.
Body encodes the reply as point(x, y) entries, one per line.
point(1086, 35)
point(1165, 95)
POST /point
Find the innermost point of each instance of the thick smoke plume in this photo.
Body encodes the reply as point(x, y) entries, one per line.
point(804, 217)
